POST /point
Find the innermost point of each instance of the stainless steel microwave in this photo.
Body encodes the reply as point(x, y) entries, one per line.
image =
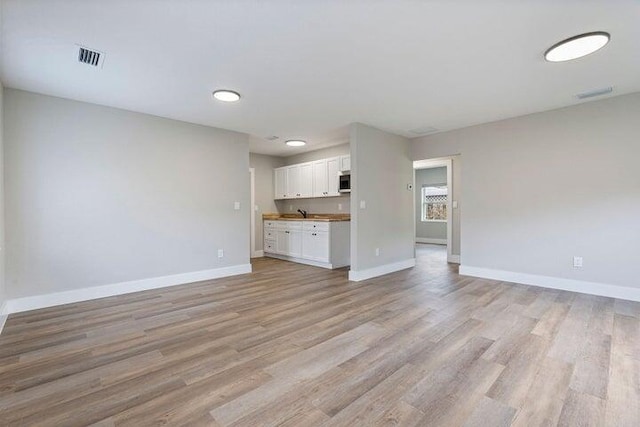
point(345, 183)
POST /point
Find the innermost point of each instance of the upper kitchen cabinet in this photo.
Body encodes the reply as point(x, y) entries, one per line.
point(295, 181)
point(325, 177)
point(305, 180)
point(345, 163)
point(314, 179)
point(280, 182)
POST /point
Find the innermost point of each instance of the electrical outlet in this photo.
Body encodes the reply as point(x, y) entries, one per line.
point(339, 206)
point(577, 261)
point(377, 251)
point(220, 253)
point(236, 206)
point(363, 204)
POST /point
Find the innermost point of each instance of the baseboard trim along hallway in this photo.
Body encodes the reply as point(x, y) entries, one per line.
point(17, 305)
point(381, 270)
point(591, 288)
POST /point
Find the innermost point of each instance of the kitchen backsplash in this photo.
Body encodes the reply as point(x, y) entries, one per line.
point(317, 205)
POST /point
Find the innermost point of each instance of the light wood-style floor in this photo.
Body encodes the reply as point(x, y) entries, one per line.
point(301, 346)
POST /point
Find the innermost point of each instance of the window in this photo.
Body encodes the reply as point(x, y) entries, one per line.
point(434, 203)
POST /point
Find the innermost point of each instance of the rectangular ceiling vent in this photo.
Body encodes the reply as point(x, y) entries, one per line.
point(90, 57)
point(423, 130)
point(597, 92)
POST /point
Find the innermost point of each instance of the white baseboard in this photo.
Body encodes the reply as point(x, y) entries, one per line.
point(58, 298)
point(592, 288)
point(3, 315)
point(327, 265)
point(369, 273)
point(431, 241)
point(454, 259)
point(257, 254)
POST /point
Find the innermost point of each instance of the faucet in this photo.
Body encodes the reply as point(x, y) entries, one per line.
point(303, 213)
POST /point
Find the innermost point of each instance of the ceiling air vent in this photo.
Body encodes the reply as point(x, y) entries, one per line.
point(596, 92)
point(90, 57)
point(423, 130)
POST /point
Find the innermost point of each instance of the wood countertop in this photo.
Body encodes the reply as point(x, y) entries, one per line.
point(310, 217)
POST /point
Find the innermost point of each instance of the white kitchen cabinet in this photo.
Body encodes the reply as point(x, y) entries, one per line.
point(293, 181)
point(280, 182)
point(305, 180)
point(288, 238)
point(325, 177)
point(345, 163)
point(320, 243)
point(315, 245)
point(320, 182)
point(314, 179)
point(333, 173)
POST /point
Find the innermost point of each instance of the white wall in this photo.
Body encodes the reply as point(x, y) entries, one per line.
point(381, 168)
point(97, 195)
point(264, 190)
point(429, 229)
point(324, 153)
point(539, 189)
point(3, 292)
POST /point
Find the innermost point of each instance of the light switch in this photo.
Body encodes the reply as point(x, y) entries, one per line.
point(339, 206)
point(455, 204)
point(363, 204)
point(236, 206)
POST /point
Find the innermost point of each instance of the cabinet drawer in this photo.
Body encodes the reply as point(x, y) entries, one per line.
point(269, 234)
point(270, 224)
point(318, 226)
point(270, 246)
point(289, 225)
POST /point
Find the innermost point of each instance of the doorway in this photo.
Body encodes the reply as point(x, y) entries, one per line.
point(435, 207)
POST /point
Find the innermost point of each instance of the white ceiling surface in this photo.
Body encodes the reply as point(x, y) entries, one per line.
point(306, 69)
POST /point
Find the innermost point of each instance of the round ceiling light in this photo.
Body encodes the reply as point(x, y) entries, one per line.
point(226, 95)
point(296, 143)
point(577, 46)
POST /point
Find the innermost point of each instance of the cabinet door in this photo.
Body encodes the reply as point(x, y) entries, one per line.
point(280, 183)
point(293, 181)
point(322, 246)
point(282, 242)
point(315, 245)
point(333, 183)
point(305, 186)
point(308, 245)
point(320, 182)
point(345, 163)
point(295, 243)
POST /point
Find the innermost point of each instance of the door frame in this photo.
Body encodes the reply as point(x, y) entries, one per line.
point(252, 232)
point(438, 163)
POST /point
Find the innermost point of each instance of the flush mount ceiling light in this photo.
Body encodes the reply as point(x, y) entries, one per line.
point(296, 143)
point(226, 95)
point(577, 46)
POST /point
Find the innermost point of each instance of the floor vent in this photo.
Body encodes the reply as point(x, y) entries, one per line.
point(89, 57)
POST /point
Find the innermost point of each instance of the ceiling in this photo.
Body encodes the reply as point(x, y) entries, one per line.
point(306, 69)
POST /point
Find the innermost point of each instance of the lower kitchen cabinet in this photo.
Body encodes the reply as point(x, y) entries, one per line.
point(320, 243)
